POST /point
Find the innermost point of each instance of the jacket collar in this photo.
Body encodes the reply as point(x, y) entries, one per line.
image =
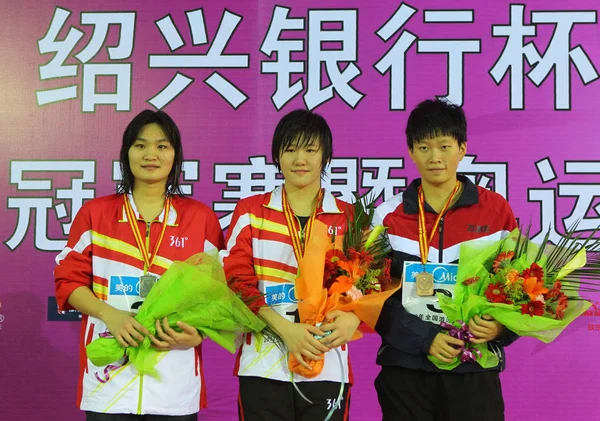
point(172, 212)
point(468, 197)
point(328, 205)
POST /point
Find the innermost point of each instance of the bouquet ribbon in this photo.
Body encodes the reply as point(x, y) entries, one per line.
point(108, 369)
point(467, 353)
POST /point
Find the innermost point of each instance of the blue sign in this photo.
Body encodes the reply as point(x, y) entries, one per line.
point(280, 294)
point(443, 273)
point(124, 285)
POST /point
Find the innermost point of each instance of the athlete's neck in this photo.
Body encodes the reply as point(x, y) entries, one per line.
point(436, 195)
point(149, 199)
point(302, 200)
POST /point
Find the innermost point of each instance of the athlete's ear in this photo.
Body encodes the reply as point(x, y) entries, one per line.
point(463, 150)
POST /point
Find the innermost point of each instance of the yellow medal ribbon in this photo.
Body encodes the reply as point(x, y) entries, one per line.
point(138, 235)
point(298, 243)
point(424, 241)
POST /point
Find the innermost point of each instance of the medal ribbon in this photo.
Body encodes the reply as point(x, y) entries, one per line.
point(297, 243)
point(425, 242)
point(138, 235)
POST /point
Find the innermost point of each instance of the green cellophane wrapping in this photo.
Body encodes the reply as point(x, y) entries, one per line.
point(476, 259)
point(194, 292)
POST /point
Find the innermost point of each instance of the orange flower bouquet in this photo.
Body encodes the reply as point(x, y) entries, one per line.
point(355, 273)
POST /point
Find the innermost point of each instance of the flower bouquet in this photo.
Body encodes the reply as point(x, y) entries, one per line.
point(194, 292)
point(533, 290)
point(355, 272)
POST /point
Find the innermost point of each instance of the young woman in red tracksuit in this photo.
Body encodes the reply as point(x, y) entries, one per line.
point(118, 246)
point(261, 260)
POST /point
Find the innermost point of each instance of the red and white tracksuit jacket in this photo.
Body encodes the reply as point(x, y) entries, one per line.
point(101, 254)
point(259, 260)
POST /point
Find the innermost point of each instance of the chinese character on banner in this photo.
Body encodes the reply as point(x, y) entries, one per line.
point(332, 45)
point(394, 61)
point(99, 68)
point(558, 56)
point(341, 178)
point(214, 57)
point(243, 180)
point(586, 211)
point(489, 175)
point(190, 173)
point(31, 177)
point(377, 177)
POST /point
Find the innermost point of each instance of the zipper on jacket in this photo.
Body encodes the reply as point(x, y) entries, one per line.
point(146, 269)
point(441, 237)
point(301, 230)
point(148, 236)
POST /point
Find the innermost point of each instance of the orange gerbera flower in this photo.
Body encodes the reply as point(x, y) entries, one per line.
point(502, 260)
point(533, 287)
point(512, 276)
point(345, 282)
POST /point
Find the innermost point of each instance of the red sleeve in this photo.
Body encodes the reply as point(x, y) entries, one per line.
point(238, 259)
point(74, 264)
point(214, 233)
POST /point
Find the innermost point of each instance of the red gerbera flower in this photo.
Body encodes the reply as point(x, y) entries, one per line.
point(563, 303)
point(328, 280)
point(495, 293)
point(333, 255)
point(534, 270)
point(502, 260)
point(534, 308)
point(332, 269)
point(385, 278)
point(555, 291)
point(363, 257)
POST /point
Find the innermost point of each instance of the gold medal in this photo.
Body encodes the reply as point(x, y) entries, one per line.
point(424, 284)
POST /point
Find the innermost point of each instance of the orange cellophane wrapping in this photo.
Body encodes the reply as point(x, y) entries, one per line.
point(314, 301)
